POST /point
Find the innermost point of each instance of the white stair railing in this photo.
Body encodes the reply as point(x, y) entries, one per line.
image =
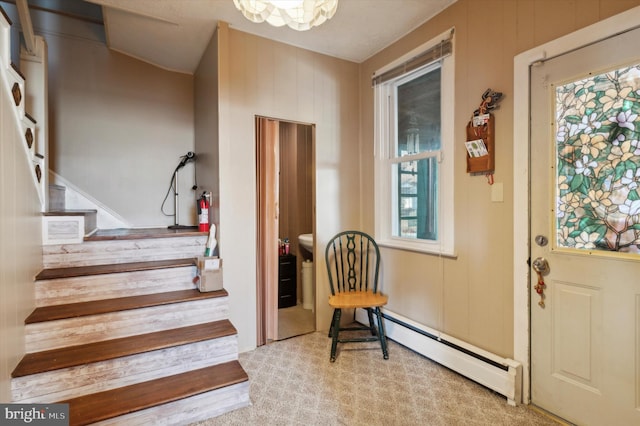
point(14, 83)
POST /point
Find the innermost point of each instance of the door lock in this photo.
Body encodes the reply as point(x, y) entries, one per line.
point(541, 240)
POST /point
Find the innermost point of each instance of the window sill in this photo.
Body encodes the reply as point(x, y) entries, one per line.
point(417, 248)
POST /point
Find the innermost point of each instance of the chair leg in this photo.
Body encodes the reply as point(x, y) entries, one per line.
point(335, 329)
point(372, 327)
point(333, 318)
point(382, 335)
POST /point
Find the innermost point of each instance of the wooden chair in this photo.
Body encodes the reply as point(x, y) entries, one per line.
point(353, 263)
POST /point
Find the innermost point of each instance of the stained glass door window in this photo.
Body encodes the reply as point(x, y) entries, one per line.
point(597, 128)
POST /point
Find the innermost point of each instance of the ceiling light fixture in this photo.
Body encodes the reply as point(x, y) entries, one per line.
point(300, 15)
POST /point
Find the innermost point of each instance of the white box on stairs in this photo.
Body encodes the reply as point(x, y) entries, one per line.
point(67, 227)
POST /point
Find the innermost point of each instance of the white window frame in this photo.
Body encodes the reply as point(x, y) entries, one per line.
point(385, 144)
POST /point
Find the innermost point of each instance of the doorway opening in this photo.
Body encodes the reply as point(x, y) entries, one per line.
point(286, 210)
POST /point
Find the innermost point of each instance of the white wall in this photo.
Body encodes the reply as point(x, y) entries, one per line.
point(118, 126)
point(205, 88)
point(118, 129)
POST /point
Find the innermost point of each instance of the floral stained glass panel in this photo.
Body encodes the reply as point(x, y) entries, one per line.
point(598, 162)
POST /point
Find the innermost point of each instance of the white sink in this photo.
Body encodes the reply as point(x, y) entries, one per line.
point(306, 241)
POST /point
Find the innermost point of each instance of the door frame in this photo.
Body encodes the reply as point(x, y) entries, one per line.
point(267, 217)
point(521, 112)
point(267, 287)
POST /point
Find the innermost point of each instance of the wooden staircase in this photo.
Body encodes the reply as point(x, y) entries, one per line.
point(123, 336)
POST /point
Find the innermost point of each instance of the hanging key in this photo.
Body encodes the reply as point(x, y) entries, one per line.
point(540, 265)
point(540, 289)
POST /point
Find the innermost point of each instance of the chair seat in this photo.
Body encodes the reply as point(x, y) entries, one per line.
point(357, 299)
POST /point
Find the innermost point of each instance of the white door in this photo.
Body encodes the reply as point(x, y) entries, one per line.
point(585, 201)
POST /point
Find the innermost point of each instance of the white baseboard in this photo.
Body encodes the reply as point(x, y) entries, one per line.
point(501, 375)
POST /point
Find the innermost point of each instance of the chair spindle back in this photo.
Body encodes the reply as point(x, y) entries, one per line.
point(353, 262)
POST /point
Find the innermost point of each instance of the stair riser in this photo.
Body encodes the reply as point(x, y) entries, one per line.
point(76, 331)
point(72, 382)
point(122, 251)
point(189, 410)
point(57, 197)
point(97, 287)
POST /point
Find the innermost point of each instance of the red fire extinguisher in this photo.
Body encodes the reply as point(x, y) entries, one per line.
point(203, 212)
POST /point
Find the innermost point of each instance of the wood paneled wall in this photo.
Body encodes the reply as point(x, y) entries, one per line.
point(20, 242)
point(261, 77)
point(471, 296)
point(295, 183)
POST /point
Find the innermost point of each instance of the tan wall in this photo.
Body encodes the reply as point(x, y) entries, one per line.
point(205, 88)
point(261, 77)
point(20, 242)
point(471, 297)
point(118, 129)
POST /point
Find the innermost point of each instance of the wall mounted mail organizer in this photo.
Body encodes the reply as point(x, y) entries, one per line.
point(480, 144)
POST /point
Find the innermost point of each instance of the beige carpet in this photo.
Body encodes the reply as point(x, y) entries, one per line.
point(293, 383)
point(295, 321)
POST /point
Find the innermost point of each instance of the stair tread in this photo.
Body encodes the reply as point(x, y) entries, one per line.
point(143, 233)
point(54, 359)
point(103, 306)
point(117, 402)
point(69, 212)
point(114, 268)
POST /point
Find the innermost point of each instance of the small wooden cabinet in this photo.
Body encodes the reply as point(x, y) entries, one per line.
point(287, 281)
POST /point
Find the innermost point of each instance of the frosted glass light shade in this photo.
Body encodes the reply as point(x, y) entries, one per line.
point(300, 15)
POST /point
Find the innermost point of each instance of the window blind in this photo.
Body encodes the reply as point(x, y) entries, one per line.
point(441, 50)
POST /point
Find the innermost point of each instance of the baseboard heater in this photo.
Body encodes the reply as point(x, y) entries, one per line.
point(501, 375)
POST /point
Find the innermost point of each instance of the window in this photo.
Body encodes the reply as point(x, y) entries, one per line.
point(414, 151)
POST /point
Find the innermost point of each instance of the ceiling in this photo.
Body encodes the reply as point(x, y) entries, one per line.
point(174, 33)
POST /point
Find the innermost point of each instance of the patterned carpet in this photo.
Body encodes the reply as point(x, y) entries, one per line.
point(293, 383)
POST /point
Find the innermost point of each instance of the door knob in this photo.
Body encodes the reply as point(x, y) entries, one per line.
point(540, 265)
